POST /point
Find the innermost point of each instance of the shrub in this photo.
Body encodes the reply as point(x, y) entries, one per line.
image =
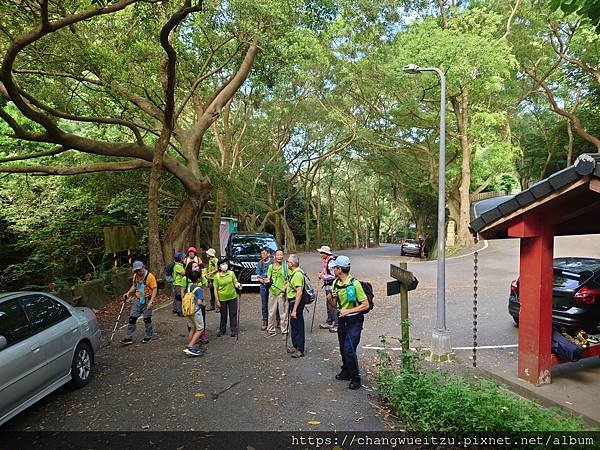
point(430, 401)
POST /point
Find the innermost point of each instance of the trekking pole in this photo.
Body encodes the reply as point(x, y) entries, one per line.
point(117, 322)
point(239, 301)
point(313, 317)
point(288, 326)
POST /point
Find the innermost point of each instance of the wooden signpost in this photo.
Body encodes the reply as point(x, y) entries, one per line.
point(405, 281)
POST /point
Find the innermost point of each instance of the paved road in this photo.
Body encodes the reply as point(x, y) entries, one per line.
point(156, 387)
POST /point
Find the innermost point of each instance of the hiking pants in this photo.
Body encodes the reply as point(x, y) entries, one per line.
point(138, 309)
point(264, 301)
point(177, 299)
point(297, 326)
point(212, 294)
point(349, 329)
point(278, 306)
point(231, 307)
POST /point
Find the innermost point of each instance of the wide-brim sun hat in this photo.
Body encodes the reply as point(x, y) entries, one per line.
point(211, 252)
point(324, 249)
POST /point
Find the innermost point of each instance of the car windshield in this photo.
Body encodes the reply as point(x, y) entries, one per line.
point(251, 245)
point(411, 241)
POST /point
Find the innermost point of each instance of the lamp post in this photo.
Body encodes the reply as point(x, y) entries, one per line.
point(440, 346)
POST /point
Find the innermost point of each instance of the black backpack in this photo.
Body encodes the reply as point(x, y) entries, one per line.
point(368, 288)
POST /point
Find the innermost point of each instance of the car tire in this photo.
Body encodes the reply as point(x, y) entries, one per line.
point(82, 365)
point(516, 320)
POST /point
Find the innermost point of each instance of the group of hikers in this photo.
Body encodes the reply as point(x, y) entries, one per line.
point(282, 285)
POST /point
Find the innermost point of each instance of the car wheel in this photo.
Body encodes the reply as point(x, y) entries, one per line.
point(81, 367)
point(516, 320)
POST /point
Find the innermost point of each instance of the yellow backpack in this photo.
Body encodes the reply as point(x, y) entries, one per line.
point(188, 304)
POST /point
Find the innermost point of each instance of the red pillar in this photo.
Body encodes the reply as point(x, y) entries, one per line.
point(535, 296)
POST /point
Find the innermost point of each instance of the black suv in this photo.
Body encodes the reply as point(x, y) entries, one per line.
point(243, 251)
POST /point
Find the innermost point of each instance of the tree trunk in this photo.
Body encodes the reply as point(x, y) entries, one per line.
point(181, 230)
point(332, 234)
point(461, 110)
point(318, 213)
point(216, 228)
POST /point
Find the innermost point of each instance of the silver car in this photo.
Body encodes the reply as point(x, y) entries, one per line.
point(44, 344)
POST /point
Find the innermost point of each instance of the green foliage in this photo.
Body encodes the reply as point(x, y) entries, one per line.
point(436, 401)
point(589, 9)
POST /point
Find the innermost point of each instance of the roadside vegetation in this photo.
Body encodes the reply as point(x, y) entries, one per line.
point(432, 400)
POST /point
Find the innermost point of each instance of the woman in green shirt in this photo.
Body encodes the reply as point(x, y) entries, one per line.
point(225, 283)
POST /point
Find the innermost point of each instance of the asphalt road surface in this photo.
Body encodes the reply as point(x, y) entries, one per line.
point(257, 385)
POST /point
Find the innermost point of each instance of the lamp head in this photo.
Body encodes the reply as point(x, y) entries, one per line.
point(412, 69)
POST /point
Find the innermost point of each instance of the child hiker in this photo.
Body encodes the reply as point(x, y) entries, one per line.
point(195, 321)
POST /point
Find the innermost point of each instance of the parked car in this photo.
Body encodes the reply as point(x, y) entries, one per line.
point(411, 247)
point(243, 251)
point(44, 344)
point(575, 294)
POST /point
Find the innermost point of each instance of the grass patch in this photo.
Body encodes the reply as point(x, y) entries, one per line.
point(434, 401)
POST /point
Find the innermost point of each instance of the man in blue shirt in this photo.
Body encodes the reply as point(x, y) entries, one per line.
point(261, 271)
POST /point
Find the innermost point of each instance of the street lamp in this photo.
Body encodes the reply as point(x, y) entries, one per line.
point(440, 345)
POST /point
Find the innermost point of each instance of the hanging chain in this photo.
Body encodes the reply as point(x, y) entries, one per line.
point(475, 261)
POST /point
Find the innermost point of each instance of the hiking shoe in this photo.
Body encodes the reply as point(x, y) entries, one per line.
point(220, 333)
point(297, 354)
point(325, 325)
point(210, 308)
point(354, 385)
point(271, 334)
point(187, 350)
point(126, 341)
point(146, 340)
point(195, 352)
point(343, 376)
point(333, 329)
point(233, 334)
point(292, 350)
point(204, 340)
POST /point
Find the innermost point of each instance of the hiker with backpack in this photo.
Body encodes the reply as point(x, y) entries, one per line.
point(295, 289)
point(179, 282)
point(277, 282)
point(326, 276)
point(352, 303)
point(191, 256)
point(192, 304)
point(213, 268)
point(226, 284)
point(145, 288)
point(261, 272)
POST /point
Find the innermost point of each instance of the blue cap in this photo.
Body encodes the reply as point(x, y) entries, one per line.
point(342, 261)
point(179, 255)
point(137, 265)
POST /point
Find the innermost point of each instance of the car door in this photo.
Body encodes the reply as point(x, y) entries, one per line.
point(57, 330)
point(22, 361)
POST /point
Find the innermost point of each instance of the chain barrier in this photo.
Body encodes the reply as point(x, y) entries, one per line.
point(475, 262)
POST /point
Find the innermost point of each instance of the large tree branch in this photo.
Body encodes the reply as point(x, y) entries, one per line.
point(226, 93)
point(24, 40)
point(88, 168)
point(54, 151)
point(560, 111)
